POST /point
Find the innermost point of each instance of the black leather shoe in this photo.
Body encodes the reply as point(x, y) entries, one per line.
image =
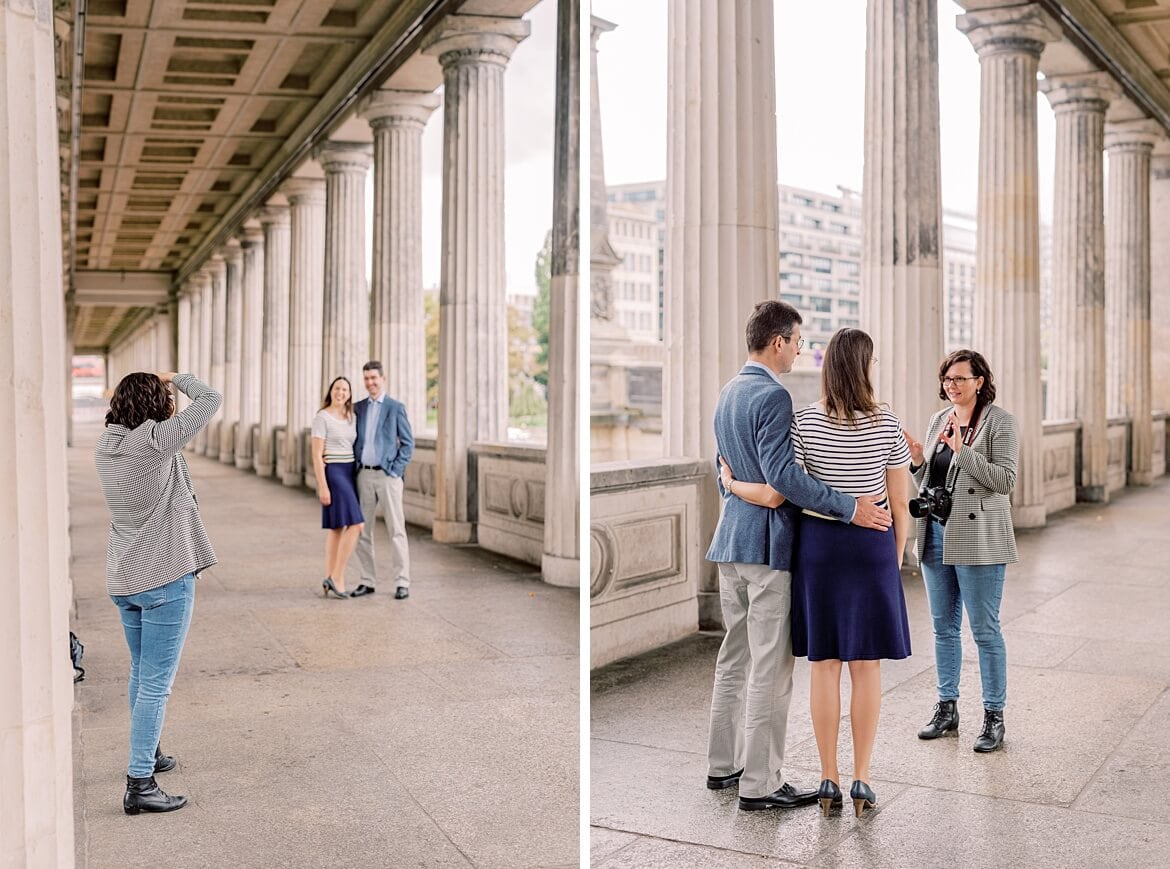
point(144, 795)
point(162, 762)
point(829, 796)
point(944, 722)
point(401, 593)
point(719, 782)
point(785, 797)
point(862, 796)
point(992, 736)
point(362, 589)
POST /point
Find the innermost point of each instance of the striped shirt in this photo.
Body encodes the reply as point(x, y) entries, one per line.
point(339, 436)
point(853, 460)
point(156, 535)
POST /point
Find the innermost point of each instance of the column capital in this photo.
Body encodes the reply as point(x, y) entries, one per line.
point(1009, 29)
point(395, 108)
point(216, 266)
point(1160, 167)
point(1082, 92)
point(231, 251)
point(1138, 135)
point(304, 191)
point(251, 234)
point(344, 156)
point(274, 215)
point(475, 39)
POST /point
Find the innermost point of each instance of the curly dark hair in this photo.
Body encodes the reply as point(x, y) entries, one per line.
point(329, 396)
point(979, 368)
point(138, 397)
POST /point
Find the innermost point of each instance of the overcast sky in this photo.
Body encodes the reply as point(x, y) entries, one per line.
point(529, 114)
point(820, 98)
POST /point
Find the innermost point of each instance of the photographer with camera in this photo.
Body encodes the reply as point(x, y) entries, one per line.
point(965, 535)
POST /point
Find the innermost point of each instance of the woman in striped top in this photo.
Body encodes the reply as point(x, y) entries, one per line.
point(157, 547)
point(847, 599)
point(334, 432)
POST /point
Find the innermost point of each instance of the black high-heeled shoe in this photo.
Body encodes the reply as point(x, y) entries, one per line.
point(829, 796)
point(328, 586)
point(863, 797)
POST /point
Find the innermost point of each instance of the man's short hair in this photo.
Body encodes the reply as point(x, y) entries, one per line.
point(374, 365)
point(769, 319)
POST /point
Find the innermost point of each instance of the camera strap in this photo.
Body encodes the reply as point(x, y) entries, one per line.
point(969, 437)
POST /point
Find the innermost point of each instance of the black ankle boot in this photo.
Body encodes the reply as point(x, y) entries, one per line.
point(992, 736)
point(144, 795)
point(944, 723)
point(162, 762)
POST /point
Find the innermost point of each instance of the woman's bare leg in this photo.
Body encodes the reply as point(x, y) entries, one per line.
point(864, 709)
point(348, 537)
point(332, 544)
point(825, 708)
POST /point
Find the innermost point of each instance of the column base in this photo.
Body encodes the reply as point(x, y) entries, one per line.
point(445, 531)
point(263, 470)
point(1029, 515)
point(227, 457)
point(244, 462)
point(560, 571)
point(1093, 494)
point(1140, 478)
point(293, 479)
point(710, 611)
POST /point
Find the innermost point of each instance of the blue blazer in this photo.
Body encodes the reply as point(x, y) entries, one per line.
point(753, 431)
point(394, 438)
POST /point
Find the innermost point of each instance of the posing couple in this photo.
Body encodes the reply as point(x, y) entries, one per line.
point(823, 581)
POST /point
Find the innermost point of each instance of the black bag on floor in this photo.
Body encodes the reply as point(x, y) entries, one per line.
point(76, 650)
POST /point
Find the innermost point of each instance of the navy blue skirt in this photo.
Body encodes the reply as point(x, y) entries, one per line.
point(847, 599)
point(345, 509)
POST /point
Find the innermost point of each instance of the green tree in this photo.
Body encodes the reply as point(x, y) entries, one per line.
point(526, 402)
point(543, 273)
point(431, 319)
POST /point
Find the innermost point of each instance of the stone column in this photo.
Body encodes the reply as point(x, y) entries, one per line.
point(902, 287)
point(233, 255)
point(1127, 286)
point(218, 336)
point(36, 753)
point(397, 332)
point(306, 197)
point(251, 331)
point(1076, 356)
point(200, 357)
point(721, 220)
point(274, 341)
point(473, 359)
point(1160, 279)
point(345, 339)
point(561, 560)
point(1009, 41)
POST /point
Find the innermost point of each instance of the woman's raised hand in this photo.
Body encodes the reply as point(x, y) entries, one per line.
point(916, 454)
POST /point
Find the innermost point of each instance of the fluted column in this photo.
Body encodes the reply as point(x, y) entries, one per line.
point(274, 340)
point(397, 330)
point(201, 342)
point(183, 361)
point(901, 287)
point(1076, 355)
point(218, 334)
point(345, 339)
point(36, 691)
point(1127, 286)
point(560, 562)
point(473, 360)
point(164, 338)
point(306, 198)
point(1009, 41)
point(251, 331)
point(1160, 279)
point(233, 255)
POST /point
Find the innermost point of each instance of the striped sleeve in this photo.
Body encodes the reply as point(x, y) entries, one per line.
point(171, 434)
point(899, 449)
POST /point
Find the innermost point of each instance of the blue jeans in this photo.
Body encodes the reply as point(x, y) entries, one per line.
point(978, 587)
point(155, 623)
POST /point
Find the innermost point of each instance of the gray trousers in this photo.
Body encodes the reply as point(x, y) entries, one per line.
point(376, 487)
point(753, 677)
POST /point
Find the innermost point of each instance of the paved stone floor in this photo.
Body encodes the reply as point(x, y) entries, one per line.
point(437, 731)
point(1083, 779)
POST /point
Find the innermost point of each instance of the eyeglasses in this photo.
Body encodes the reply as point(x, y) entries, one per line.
point(788, 339)
point(958, 381)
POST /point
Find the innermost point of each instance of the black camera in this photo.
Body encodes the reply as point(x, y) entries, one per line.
point(933, 501)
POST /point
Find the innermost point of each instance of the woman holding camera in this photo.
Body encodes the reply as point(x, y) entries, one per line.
point(965, 535)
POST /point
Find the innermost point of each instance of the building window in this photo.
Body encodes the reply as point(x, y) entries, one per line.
point(794, 299)
point(831, 206)
point(791, 279)
point(803, 200)
point(810, 222)
point(839, 228)
point(850, 268)
point(821, 305)
point(821, 264)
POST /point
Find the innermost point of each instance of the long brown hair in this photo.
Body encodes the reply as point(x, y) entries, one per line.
point(138, 397)
point(328, 402)
point(845, 385)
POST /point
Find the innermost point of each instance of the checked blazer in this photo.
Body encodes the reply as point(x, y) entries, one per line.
point(980, 479)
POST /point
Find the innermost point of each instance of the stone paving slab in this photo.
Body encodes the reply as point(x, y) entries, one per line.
point(437, 731)
point(1083, 779)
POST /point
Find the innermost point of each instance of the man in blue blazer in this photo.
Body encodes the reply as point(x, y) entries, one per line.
point(753, 549)
point(383, 449)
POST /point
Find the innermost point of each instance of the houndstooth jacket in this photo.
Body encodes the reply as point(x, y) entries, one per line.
point(980, 479)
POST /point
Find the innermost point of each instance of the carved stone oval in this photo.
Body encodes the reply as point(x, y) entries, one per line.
point(603, 558)
point(518, 499)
